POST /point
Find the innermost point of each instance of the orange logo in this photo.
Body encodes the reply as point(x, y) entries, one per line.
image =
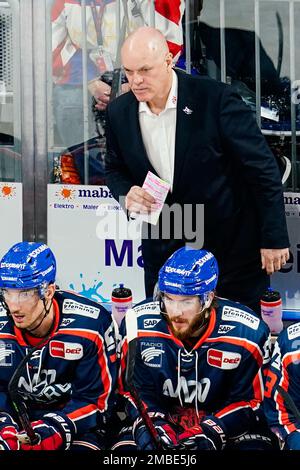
point(65, 194)
point(7, 191)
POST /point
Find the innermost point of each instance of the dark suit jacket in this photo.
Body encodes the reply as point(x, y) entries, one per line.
point(221, 160)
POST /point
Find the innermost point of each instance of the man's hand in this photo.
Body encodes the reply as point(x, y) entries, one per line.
point(101, 92)
point(8, 433)
point(273, 259)
point(139, 201)
point(55, 432)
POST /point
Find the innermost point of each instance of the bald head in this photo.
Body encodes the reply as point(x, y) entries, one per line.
point(146, 40)
point(148, 66)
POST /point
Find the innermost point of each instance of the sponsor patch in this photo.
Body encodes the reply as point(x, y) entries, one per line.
point(235, 314)
point(151, 322)
point(68, 351)
point(149, 307)
point(2, 324)
point(6, 354)
point(223, 359)
point(152, 353)
point(223, 329)
point(76, 308)
point(293, 331)
point(67, 321)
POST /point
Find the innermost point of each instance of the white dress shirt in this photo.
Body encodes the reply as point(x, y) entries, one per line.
point(158, 133)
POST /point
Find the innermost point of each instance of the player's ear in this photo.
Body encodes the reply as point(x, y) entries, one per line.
point(49, 291)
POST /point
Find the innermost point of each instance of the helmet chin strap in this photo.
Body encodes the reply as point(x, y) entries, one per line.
point(46, 312)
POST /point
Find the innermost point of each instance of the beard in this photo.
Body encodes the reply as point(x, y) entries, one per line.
point(195, 325)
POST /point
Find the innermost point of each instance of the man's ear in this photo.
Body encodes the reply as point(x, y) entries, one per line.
point(169, 59)
point(49, 293)
point(209, 299)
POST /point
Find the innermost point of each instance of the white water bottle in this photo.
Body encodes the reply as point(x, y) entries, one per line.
point(271, 310)
point(121, 301)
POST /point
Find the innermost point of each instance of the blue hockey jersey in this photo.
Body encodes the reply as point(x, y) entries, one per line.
point(220, 375)
point(74, 372)
point(284, 371)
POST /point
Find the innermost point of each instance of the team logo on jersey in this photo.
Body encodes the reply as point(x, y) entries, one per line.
point(150, 322)
point(76, 308)
point(68, 351)
point(235, 314)
point(223, 329)
point(223, 359)
point(67, 321)
point(152, 353)
point(2, 324)
point(6, 354)
point(293, 331)
point(188, 389)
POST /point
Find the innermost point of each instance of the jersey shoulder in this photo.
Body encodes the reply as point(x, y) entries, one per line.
point(148, 315)
point(289, 338)
point(236, 319)
point(78, 311)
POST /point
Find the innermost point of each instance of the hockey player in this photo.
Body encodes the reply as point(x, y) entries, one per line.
point(68, 377)
point(198, 365)
point(282, 399)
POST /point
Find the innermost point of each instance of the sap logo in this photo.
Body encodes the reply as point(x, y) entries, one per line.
point(223, 329)
point(67, 321)
point(123, 256)
point(150, 323)
point(152, 354)
point(68, 351)
point(189, 389)
point(223, 359)
point(2, 324)
point(99, 192)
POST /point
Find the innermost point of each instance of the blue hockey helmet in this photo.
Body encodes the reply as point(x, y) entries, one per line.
point(189, 272)
point(28, 265)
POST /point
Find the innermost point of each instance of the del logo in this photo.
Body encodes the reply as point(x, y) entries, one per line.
point(69, 351)
point(150, 322)
point(152, 353)
point(223, 359)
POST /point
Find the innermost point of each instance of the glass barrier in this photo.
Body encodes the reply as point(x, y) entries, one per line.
point(10, 156)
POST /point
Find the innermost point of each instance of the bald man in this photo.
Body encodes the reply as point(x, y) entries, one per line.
point(198, 135)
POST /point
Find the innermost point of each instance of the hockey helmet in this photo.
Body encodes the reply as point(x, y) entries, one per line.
point(189, 272)
point(28, 265)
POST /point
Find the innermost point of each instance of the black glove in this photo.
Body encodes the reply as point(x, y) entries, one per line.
point(166, 433)
point(208, 435)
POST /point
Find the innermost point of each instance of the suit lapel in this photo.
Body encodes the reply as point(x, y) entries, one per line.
point(185, 126)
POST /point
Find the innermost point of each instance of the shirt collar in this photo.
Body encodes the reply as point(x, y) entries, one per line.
point(171, 101)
